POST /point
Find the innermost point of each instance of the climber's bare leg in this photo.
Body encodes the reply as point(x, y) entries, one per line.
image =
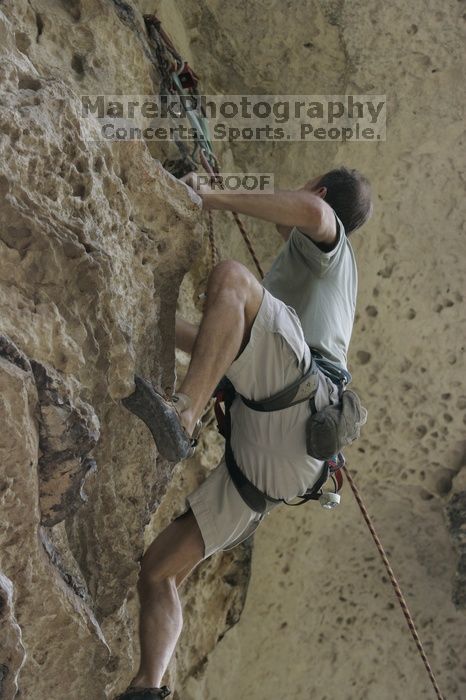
point(185, 334)
point(169, 559)
point(233, 300)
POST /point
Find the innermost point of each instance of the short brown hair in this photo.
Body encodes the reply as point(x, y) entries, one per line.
point(349, 195)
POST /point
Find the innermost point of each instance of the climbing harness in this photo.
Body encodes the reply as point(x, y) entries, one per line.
point(178, 78)
point(327, 431)
point(302, 390)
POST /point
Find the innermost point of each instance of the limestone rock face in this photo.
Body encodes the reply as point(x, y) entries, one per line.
point(95, 239)
point(99, 245)
point(11, 647)
point(67, 433)
point(45, 607)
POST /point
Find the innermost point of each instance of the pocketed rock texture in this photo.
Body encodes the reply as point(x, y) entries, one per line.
point(11, 647)
point(96, 239)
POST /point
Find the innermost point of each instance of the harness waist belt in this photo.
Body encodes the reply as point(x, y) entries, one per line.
point(303, 389)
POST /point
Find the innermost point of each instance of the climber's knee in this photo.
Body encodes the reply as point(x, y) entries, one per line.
point(231, 274)
point(175, 551)
point(232, 280)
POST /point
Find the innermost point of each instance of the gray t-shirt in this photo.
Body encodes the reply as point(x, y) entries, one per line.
point(321, 287)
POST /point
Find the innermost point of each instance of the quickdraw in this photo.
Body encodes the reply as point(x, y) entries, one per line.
point(178, 78)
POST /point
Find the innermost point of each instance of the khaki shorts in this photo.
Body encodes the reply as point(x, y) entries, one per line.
point(269, 447)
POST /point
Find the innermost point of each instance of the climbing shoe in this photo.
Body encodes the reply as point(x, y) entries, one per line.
point(144, 693)
point(162, 417)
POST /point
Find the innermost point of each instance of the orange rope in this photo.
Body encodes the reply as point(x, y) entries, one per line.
point(213, 247)
point(248, 243)
point(395, 584)
point(239, 223)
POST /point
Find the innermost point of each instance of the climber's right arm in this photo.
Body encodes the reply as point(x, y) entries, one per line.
point(285, 208)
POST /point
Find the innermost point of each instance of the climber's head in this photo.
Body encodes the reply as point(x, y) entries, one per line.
point(348, 192)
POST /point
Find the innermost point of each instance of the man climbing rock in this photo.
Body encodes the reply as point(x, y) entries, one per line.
point(259, 336)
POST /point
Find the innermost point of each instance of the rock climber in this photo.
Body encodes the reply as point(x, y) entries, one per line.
point(259, 336)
